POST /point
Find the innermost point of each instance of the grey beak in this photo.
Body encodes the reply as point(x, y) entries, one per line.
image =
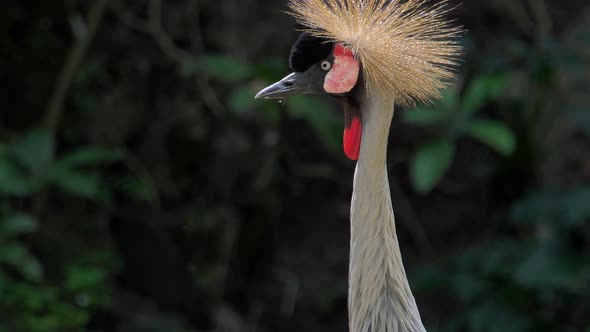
point(292, 84)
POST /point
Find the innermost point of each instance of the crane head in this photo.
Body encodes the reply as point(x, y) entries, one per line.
point(319, 67)
point(407, 50)
point(322, 67)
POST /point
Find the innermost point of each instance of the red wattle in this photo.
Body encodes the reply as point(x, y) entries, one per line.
point(352, 138)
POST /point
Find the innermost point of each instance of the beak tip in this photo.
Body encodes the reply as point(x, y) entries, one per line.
point(262, 94)
point(283, 88)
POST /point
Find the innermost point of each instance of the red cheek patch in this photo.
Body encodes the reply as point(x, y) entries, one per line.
point(344, 73)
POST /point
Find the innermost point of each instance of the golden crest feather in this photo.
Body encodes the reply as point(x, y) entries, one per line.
point(407, 47)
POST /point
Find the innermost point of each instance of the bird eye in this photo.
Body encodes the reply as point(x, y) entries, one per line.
point(326, 65)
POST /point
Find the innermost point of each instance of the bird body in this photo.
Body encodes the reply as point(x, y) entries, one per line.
point(371, 54)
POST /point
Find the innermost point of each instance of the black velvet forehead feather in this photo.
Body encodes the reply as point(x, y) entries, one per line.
point(308, 50)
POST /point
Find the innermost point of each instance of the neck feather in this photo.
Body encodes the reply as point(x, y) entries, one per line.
point(380, 299)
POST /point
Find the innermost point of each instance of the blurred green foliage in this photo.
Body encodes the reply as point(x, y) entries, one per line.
point(171, 200)
point(533, 272)
point(30, 299)
point(457, 115)
point(317, 112)
point(513, 283)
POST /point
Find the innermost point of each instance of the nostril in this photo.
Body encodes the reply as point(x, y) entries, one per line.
point(288, 84)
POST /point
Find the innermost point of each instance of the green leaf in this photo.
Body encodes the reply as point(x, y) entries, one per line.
point(14, 181)
point(321, 117)
point(76, 182)
point(449, 100)
point(241, 100)
point(439, 113)
point(138, 188)
point(271, 69)
point(84, 278)
point(90, 156)
point(35, 151)
point(269, 112)
point(430, 163)
point(31, 269)
point(494, 134)
point(480, 91)
point(424, 117)
point(67, 175)
point(221, 67)
point(18, 256)
point(17, 224)
point(497, 258)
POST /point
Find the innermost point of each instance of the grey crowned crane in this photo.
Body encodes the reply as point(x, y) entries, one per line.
point(371, 54)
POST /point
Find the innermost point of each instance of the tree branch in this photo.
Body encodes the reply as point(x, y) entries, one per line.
point(54, 110)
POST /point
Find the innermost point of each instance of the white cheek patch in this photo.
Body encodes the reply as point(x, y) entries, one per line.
point(343, 76)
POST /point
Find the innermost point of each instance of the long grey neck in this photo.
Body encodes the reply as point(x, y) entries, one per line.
point(380, 299)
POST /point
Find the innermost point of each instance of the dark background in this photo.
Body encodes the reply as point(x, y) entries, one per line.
point(142, 188)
